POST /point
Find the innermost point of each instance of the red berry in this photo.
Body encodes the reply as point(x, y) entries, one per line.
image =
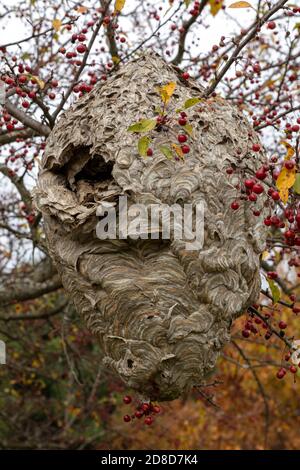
point(256, 147)
point(289, 234)
point(246, 333)
point(182, 121)
point(127, 399)
point(235, 205)
point(289, 165)
point(295, 128)
point(185, 149)
point(275, 196)
point(249, 183)
point(25, 104)
point(81, 48)
point(252, 197)
point(145, 407)
point(267, 221)
point(182, 138)
point(261, 174)
point(106, 20)
point(149, 152)
point(282, 325)
point(10, 126)
point(293, 369)
point(138, 414)
point(272, 275)
point(281, 373)
point(148, 420)
point(126, 418)
point(258, 188)
point(156, 409)
point(185, 75)
point(271, 25)
point(22, 79)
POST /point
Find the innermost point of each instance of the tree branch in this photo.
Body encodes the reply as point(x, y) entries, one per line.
point(27, 120)
point(252, 33)
point(187, 25)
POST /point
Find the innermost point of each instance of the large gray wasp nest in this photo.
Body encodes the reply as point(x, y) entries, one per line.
point(162, 313)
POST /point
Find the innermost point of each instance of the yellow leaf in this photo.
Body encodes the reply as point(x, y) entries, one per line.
point(119, 5)
point(178, 150)
point(285, 180)
point(240, 5)
point(56, 24)
point(116, 59)
point(215, 6)
point(40, 83)
point(167, 91)
point(284, 195)
point(290, 150)
point(37, 80)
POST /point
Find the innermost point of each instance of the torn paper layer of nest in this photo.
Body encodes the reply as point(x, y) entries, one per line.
point(161, 313)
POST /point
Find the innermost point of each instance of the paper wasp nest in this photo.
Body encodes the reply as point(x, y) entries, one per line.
point(162, 313)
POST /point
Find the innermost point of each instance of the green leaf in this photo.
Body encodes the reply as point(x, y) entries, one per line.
point(191, 102)
point(158, 110)
point(166, 151)
point(145, 125)
point(188, 129)
point(276, 293)
point(296, 186)
point(143, 145)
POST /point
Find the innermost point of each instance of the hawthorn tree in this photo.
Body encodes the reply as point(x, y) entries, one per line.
point(66, 49)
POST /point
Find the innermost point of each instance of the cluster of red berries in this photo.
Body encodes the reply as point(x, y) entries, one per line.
point(195, 11)
point(22, 83)
point(292, 216)
point(250, 327)
point(182, 137)
point(283, 370)
point(143, 410)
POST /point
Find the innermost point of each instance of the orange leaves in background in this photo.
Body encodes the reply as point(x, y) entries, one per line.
point(240, 5)
point(56, 24)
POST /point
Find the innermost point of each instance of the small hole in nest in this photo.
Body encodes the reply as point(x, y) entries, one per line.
point(130, 363)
